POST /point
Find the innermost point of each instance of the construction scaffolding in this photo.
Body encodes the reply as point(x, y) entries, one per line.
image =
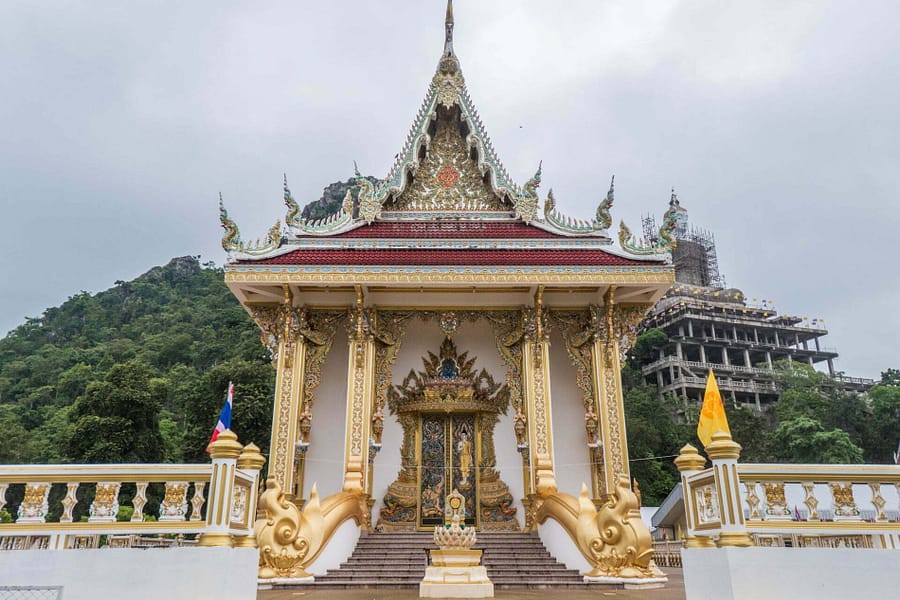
point(694, 257)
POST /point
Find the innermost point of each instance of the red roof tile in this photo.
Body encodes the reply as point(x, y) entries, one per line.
point(461, 257)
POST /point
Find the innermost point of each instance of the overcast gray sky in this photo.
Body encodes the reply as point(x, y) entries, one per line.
point(777, 123)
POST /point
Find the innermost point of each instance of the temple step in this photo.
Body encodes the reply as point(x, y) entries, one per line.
point(398, 560)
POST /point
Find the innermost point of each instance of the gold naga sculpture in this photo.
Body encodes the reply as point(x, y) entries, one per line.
point(290, 539)
point(613, 539)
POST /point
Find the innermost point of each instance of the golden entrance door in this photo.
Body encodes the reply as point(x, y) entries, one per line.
point(449, 451)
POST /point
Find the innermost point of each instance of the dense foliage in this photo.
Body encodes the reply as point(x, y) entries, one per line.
point(135, 373)
point(814, 421)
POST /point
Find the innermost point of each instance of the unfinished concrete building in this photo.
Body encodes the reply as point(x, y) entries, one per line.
point(710, 326)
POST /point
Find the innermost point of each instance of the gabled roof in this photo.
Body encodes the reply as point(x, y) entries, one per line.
point(448, 180)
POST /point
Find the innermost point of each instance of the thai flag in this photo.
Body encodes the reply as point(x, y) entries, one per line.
point(225, 416)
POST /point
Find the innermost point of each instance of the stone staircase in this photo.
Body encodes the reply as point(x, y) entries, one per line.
point(398, 560)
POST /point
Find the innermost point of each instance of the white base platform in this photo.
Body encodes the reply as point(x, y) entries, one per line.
point(456, 582)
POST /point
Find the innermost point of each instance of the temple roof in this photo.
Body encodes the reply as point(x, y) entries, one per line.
point(446, 188)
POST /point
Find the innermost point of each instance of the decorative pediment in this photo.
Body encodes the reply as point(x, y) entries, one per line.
point(449, 382)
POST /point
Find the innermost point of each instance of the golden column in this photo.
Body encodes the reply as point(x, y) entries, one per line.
point(536, 384)
point(606, 374)
point(360, 393)
point(280, 327)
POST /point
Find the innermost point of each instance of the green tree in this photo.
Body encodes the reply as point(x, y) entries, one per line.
point(654, 437)
point(885, 403)
point(117, 420)
point(805, 440)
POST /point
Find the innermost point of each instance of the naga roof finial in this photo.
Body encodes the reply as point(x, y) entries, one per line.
point(673, 200)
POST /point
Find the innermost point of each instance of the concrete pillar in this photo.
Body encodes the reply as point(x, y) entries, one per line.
point(777, 342)
point(817, 344)
point(810, 360)
point(659, 379)
point(756, 397)
point(831, 367)
point(713, 329)
point(755, 335)
point(725, 360)
point(690, 462)
point(702, 354)
point(678, 351)
point(224, 453)
point(690, 329)
point(747, 358)
point(724, 453)
point(769, 359)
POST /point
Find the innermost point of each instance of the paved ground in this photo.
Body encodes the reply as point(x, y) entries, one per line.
point(674, 590)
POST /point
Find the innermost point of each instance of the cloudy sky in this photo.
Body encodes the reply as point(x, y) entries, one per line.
point(776, 122)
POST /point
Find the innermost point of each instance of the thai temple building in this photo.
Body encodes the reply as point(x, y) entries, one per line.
point(449, 330)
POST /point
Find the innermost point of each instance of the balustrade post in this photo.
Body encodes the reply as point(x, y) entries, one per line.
point(689, 462)
point(224, 452)
point(724, 452)
point(251, 462)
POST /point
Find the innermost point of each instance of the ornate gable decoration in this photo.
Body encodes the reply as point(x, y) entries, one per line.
point(449, 382)
point(447, 170)
point(460, 171)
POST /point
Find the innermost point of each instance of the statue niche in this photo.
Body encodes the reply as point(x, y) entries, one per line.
point(448, 413)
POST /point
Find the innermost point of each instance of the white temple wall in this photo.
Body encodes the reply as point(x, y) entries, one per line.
point(570, 452)
point(325, 456)
point(478, 339)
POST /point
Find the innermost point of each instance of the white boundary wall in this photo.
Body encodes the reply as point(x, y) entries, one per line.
point(789, 573)
point(136, 574)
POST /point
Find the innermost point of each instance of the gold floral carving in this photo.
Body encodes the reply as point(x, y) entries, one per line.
point(448, 178)
point(34, 505)
point(844, 502)
point(174, 504)
point(106, 502)
point(613, 539)
point(290, 539)
point(652, 274)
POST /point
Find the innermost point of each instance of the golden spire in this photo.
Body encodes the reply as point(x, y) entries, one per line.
point(448, 29)
point(448, 64)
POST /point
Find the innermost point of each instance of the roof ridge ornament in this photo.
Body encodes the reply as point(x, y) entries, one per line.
point(566, 224)
point(232, 242)
point(664, 242)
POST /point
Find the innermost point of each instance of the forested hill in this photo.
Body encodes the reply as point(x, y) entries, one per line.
point(134, 373)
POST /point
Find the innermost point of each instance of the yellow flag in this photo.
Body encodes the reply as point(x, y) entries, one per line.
point(712, 414)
